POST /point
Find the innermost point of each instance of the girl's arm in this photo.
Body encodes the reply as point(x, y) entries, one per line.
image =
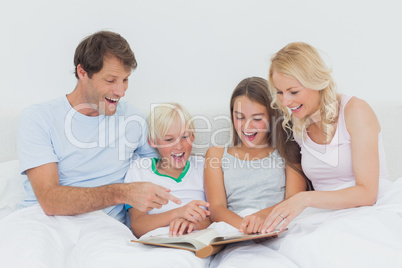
point(363, 127)
point(142, 222)
point(215, 189)
point(295, 183)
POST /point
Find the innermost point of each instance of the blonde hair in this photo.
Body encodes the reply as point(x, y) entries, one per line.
point(302, 62)
point(162, 116)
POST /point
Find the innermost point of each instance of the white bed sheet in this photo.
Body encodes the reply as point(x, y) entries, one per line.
point(369, 237)
point(29, 238)
point(357, 237)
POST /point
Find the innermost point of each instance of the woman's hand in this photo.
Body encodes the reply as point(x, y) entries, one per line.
point(181, 226)
point(193, 212)
point(285, 212)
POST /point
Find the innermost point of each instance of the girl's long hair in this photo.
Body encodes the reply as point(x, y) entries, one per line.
point(256, 89)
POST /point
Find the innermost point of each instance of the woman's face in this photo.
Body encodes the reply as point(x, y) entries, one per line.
point(292, 94)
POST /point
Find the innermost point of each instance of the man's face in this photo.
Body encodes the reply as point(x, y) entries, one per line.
point(103, 91)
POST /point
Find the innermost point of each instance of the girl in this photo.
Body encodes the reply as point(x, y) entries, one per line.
point(251, 175)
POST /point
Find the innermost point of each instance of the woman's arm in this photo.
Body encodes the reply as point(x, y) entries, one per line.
point(363, 127)
point(215, 188)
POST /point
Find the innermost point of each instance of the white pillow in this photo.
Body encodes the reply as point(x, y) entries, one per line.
point(11, 187)
point(389, 115)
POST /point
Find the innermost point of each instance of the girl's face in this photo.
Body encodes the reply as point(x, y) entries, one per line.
point(292, 94)
point(251, 122)
point(175, 147)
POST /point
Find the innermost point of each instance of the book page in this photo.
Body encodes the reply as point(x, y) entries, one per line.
point(198, 239)
point(205, 236)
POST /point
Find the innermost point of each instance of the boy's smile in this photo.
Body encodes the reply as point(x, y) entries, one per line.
point(175, 147)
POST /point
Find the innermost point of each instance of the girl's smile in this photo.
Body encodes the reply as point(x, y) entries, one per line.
point(251, 121)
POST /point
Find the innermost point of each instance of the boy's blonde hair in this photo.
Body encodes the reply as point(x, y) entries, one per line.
point(162, 116)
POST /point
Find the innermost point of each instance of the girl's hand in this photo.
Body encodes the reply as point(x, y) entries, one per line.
point(192, 212)
point(181, 226)
point(252, 223)
point(284, 213)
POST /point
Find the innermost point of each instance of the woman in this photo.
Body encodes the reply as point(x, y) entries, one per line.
point(343, 156)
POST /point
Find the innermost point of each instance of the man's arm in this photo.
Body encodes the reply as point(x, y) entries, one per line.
point(66, 200)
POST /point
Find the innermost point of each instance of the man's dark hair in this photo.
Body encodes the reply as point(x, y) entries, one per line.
point(92, 50)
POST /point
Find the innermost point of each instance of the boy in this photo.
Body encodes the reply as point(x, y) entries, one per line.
point(171, 133)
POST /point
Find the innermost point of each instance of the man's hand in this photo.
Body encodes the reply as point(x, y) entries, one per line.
point(146, 196)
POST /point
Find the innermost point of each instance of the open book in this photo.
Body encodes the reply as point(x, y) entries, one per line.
point(204, 243)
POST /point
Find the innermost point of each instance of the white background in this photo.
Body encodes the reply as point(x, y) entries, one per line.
point(195, 52)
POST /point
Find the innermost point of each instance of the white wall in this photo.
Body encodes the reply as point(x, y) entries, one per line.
point(195, 52)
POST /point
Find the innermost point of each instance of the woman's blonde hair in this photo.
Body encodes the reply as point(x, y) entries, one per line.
point(162, 116)
point(302, 62)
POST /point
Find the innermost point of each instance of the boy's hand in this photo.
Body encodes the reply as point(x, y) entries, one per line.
point(181, 226)
point(193, 212)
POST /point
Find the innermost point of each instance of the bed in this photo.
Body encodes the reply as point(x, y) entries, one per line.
point(75, 248)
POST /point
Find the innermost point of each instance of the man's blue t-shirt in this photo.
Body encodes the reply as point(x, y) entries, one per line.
point(89, 151)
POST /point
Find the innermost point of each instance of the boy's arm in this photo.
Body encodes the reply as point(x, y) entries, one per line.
point(215, 189)
point(203, 224)
point(66, 200)
point(142, 222)
point(182, 226)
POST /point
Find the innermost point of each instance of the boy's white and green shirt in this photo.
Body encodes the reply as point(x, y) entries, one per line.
point(187, 187)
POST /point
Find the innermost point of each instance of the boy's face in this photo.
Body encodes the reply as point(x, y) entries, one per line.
point(175, 147)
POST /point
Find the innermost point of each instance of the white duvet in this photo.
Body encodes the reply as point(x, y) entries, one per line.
point(368, 237)
point(94, 239)
point(358, 237)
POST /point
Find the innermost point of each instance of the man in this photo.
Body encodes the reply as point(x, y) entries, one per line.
point(76, 149)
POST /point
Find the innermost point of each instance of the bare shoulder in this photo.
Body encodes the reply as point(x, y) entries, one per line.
point(215, 151)
point(358, 113)
point(357, 105)
point(213, 158)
